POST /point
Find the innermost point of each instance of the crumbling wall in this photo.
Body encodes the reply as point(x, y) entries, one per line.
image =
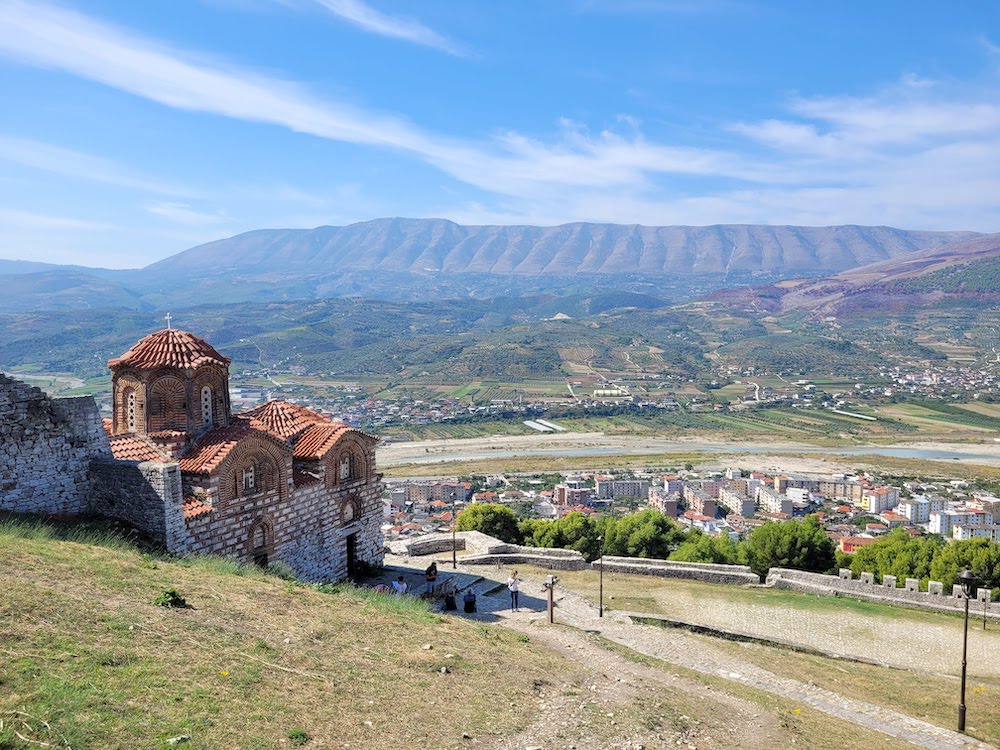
point(46, 448)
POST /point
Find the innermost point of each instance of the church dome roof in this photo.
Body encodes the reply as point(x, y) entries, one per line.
point(283, 419)
point(170, 348)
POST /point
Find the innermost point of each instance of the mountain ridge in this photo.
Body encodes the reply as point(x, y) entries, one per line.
point(442, 246)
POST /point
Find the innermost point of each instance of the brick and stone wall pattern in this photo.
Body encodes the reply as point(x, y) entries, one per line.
point(46, 448)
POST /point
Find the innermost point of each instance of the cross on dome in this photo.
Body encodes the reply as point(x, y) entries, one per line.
point(168, 316)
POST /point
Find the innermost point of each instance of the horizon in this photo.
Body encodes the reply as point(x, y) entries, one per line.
point(438, 218)
point(135, 132)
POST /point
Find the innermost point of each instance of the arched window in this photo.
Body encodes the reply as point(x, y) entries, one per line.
point(130, 410)
point(346, 466)
point(206, 406)
point(250, 480)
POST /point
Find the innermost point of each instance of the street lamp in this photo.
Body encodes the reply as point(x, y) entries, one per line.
point(454, 523)
point(968, 583)
point(600, 610)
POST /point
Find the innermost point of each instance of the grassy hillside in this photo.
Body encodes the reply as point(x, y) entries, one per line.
point(88, 661)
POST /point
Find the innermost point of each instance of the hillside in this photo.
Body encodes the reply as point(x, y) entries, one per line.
point(437, 245)
point(253, 661)
point(960, 272)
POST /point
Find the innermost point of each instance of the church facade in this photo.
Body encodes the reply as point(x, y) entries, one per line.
point(280, 483)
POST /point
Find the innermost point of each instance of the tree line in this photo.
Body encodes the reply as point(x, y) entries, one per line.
point(648, 533)
point(800, 544)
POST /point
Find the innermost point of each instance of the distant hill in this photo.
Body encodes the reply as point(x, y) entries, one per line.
point(426, 246)
point(411, 260)
point(966, 272)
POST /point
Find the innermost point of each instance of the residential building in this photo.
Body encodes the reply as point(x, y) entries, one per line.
point(736, 502)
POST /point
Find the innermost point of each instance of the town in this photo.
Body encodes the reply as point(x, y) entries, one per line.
point(854, 510)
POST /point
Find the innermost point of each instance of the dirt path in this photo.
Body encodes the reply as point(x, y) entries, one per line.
point(578, 617)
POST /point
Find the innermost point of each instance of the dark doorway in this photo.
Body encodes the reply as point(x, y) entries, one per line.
point(260, 558)
point(352, 554)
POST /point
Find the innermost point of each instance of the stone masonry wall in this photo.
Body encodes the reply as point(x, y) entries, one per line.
point(46, 448)
point(866, 589)
point(304, 530)
point(146, 496)
point(708, 572)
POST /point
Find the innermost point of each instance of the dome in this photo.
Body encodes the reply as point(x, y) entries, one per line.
point(169, 348)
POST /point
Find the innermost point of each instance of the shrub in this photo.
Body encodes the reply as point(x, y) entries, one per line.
point(170, 598)
point(298, 736)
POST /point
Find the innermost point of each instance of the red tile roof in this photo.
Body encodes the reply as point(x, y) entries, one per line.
point(169, 348)
point(214, 447)
point(193, 507)
point(133, 448)
point(318, 439)
point(282, 419)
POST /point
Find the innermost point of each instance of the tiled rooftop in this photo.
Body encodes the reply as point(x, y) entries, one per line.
point(169, 348)
point(282, 419)
point(134, 448)
point(213, 448)
point(193, 507)
point(318, 439)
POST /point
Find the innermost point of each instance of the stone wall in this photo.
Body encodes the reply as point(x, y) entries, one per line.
point(867, 590)
point(46, 448)
point(432, 544)
point(145, 495)
point(708, 572)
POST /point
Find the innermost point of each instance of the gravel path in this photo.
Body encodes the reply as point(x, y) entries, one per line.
point(686, 650)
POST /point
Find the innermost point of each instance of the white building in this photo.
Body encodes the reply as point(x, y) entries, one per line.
point(770, 501)
point(736, 502)
point(916, 509)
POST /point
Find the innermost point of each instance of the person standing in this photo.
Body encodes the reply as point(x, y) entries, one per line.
point(514, 586)
point(431, 575)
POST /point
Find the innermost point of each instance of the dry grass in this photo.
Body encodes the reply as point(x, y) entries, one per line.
point(542, 464)
point(83, 650)
point(931, 698)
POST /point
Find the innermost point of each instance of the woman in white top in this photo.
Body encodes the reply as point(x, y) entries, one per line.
point(514, 586)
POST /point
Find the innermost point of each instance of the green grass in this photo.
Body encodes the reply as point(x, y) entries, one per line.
point(88, 661)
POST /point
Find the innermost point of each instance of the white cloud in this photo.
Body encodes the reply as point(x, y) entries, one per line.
point(370, 19)
point(31, 220)
point(59, 160)
point(916, 154)
point(182, 213)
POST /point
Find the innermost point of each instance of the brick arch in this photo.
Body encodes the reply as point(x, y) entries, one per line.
point(260, 538)
point(125, 387)
point(215, 379)
point(355, 451)
point(350, 511)
point(167, 405)
point(271, 471)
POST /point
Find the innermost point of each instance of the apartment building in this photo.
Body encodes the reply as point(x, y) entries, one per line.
point(770, 501)
point(663, 501)
point(700, 502)
point(736, 502)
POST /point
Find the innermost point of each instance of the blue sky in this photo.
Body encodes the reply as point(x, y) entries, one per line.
point(133, 130)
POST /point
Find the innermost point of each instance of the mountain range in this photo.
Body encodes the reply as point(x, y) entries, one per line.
point(407, 259)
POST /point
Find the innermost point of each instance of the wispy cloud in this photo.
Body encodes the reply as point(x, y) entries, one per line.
point(65, 40)
point(915, 154)
point(182, 213)
point(375, 21)
point(70, 163)
point(32, 220)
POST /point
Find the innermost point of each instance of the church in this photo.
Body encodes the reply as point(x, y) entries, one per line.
point(277, 484)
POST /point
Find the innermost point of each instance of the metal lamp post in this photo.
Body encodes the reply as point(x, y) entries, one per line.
point(968, 583)
point(600, 609)
point(454, 543)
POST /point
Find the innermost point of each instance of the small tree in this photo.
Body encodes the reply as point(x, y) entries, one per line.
point(793, 544)
point(490, 518)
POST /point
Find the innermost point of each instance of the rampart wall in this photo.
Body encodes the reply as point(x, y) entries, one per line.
point(708, 572)
point(46, 448)
point(887, 592)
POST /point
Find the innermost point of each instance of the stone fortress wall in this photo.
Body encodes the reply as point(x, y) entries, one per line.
point(47, 446)
point(489, 550)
